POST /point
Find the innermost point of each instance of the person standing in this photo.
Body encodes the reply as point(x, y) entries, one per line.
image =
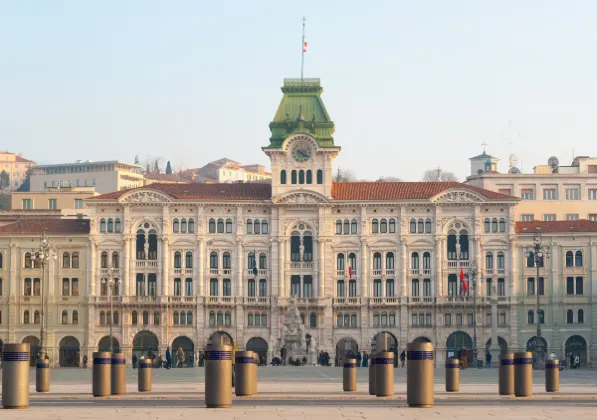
point(488, 359)
point(168, 358)
point(358, 359)
point(402, 358)
point(134, 361)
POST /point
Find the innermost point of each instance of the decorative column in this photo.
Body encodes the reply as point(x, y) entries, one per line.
point(132, 266)
point(364, 267)
point(239, 267)
point(321, 245)
point(494, 349)
point(438, 267)
point(201, 267)
point(403, 268)
point(165, 265)
point(91, 269)
point(282, 263)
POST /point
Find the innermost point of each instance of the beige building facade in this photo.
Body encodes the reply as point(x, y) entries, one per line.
point(16, 166)
point(68, 200)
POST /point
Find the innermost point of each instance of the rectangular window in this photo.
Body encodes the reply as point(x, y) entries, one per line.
point(549, 194)
point(428, 320)
point(527, 194)
point(213, 287)
point(527, 217)
point(505, 191)
point(352, 288)
point(459, 320)
point(36, 287)
point(593, 217)
point(452, 285)
point(549, 217)
point(570, 285)
point(469, 319)
point(572, 216)
point(295, 286)
point(415, 320)
point(579, 286)
point(448, 319)
point(307, 287)
point(572, 194)
point(415, 288)
point(427, 287)
point(377, 292)
point(502, 319)
point(226, 287)
point(390, 288)
point(592, 194)
point(78, 203)
point(251, 288)
point(52, 204)
point(27, 204)
point(188, 287)
point(74, 290)
point(501, 287)
point(177, 287)
point(65, 287)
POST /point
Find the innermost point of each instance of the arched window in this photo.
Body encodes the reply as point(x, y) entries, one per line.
point(415, 261)
point(104, 260)
point(175, 316)
point(262, 261)
point(175, 226)
point(64, 317)
point(541, 313)
point(213, 260)
point(346, 227)
point(75, 260)
point(28, 260)
point(191, 226)
point(183, 226)
point(352, 261)
point(117, 225)
point(309, 176)
point(177, 260)
point(212, 226)
point(134, 318)
point(283, 176)
point(502, 225)
point(353, 227)
point(530, 317)
point(249, 227)
point(36, 261)
point(212, 319)
point(293, 179)
point(377, 261)
point(426, 261)
point(188, 257)
point(226, 260)
point(115, 259)
point(26, 317)
point(494, 225)
point(581, 316)
point(36, 317)
point(338, 227)
point(427, 225)
point(374, 226)
point(340, 262)
point(578, 259)
point(66, 260)
point(264, 227)
point(75, 317)
point(251, 260)
point(156, 318)
point(319, 176)
point(420, 226)
point(103, 226)
point(312, 320)
point(392, 225)
point(110, 226)
point(531, 259)
point(228, 225)
point(301, 176)
point(487, 225)
point(489, 261)
point(413, 226)
point(257, 227)
point(383, 226)
point(390, 261)
point(220, 225)
point(501, 262)
point(570, 316)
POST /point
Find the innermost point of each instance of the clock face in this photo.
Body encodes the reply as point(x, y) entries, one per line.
point(301, 153)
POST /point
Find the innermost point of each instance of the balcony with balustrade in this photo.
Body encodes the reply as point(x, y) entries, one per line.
point(386, 301)
point(219, 301)
point(257, 301)
point(346, 302)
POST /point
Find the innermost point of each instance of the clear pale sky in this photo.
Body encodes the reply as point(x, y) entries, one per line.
point(410, 84)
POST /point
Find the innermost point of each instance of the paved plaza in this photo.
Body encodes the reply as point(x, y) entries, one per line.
point(301, 392)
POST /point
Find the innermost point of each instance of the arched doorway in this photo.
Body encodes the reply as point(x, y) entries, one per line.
point(346, 347)
point(259, 346)
point(34, 348)
point(69, 352)
point(387, 341)
point(576, 346)
point(145, 344)
point(188, 349)
point(538, 346)
point(104, 344)
point(501, 342)
point(421, 340)
point(223, 337)
point(456, 342)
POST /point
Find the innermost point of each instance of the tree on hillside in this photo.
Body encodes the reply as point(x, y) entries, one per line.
point(25, 186)
point(168, 168)
point(437, 175)
point(136, 159)
point(148, 170)
point(4, 179)
point(156, 167)
point(389, 179)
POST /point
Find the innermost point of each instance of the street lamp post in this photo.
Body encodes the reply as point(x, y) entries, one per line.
point(110, 282)
point(474, 276)
point(538, 250)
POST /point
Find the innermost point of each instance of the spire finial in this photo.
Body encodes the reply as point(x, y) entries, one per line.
point(484, 144)
point(303, 49)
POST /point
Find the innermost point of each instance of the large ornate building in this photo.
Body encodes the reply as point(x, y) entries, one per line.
point(362, 260)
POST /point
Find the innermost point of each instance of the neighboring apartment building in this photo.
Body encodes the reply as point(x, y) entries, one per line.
point(69, 201)
point(152, 178)
point(16, 166)
point(227, 171)
point(106, 176)
point(551, 192)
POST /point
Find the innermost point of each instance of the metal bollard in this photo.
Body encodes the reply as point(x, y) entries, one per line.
point(419, 375)
point(384, 374)
point(15, 376)
point(523, 374)
point(552, 375)
point(349, 375)
point(218, 375)
point(118, 374)
point(452, 375)
point(372, 376)
point(506, 375)
point(144, 378)
point(101, 386)
point(42, 375)
point(245, 371)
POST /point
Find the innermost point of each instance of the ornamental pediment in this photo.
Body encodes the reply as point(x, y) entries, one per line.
point(457, 197)
point(303, 197)
point(147, 196)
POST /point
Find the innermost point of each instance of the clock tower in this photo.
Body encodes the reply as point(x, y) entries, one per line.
point(301, 147)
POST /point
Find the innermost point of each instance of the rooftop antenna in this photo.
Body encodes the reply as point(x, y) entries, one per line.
point(304, 49)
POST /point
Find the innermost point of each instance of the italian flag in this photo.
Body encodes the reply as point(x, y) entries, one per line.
point(304, 46)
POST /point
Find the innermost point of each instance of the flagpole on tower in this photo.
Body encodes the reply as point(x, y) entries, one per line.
point(303, 49)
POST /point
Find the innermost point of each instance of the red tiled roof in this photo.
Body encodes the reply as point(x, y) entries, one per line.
point(558, 226)
point(364, 191)
point(350, 191)
point(22, 159)
point(53, 226)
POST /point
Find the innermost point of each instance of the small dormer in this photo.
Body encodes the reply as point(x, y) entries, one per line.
point(483, 163)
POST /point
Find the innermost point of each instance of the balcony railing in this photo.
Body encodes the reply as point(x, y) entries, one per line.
point(501, 271)
point(420, 299)
point(254, 300)
point(458, 263)
point(376, 273)
point(146, 263)
point(259, 272)
point(489, 271)
point(414, 271)
point(384, 300)
point(346, 301)
point(339, 273)
point(182, 299)
point(301, 265)
point(390, 272)
point(220, 300)
point(306, 301)
point(427, 271)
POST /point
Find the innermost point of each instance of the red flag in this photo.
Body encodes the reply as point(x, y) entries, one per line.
point(464, 287)
point(461, 274)
point(350, 272)
point(305, 46)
